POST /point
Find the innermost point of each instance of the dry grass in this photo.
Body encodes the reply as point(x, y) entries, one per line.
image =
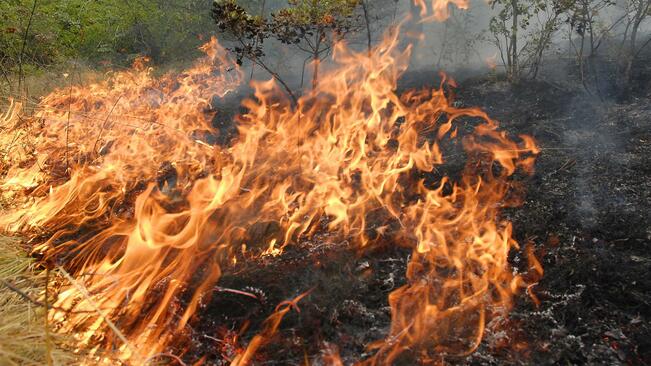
point(24, 339)
point(44, 81)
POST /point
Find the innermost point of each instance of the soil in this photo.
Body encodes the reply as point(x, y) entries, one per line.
point(587, 212)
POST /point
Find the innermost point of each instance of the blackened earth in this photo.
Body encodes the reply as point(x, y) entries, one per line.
point(587, 212)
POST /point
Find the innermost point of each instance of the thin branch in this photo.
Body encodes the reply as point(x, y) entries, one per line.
point(99, 135)
point(68, 123)
point(22, 50)
point(264, 3)
point(4, 74)
point(238, 292)
point(368, 26)
point(48, 346)
point(277, 77)
point(174, 357)
point(304, 49)
point(639, 50)
point(28, 298)
point(607, 30)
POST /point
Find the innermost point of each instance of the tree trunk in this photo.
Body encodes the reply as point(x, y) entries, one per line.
point(368, 26)
point(630, 57)
point(640, 15)
point(315, 76)
point(316, 59)
point(514, 43)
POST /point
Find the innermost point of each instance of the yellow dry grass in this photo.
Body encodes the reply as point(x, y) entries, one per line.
point(24, 338)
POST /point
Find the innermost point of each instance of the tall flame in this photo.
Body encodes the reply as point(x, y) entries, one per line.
point(148, 213)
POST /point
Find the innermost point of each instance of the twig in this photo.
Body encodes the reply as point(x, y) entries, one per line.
point(251, 56)
point(176, 358)
point(48, 346)
point(213, 338)
point(68, 122)
point(238, 292)
point(368, 26)
point(4, 74)
point(99, 135)
point(648, 41)
point(255, 44)
point(278, 78)
point(565, 165)
point(22, 50)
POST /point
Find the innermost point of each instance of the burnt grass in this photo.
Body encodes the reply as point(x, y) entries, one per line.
point(587, 211)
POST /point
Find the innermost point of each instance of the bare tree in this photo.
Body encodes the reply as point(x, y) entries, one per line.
point(458, 40)
point(637, 11)
point(312, 26)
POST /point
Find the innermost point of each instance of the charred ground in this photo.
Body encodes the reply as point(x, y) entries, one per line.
point(586, 212)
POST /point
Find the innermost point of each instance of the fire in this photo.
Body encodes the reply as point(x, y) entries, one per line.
point(438, 9)
point(127, 192)
point(491, 62)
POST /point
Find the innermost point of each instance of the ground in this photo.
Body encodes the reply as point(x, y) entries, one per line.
point(588, 209)
point(587, 212)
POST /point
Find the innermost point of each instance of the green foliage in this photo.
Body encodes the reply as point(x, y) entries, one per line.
point(524, 10)
point(317, 12)
point(312, 26)
point(532, 21)
point(291, 24)
point(108, 31)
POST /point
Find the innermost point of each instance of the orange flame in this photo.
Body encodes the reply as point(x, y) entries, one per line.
point(438, 10)
point(150, 249)
point(491, 62)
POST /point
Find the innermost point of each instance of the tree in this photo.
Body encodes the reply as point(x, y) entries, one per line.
point(637, 11)
point(583, 17)
point(506, 36)
point(458, 40)
point(314, 26)
point(311, 26)
point(514, 22)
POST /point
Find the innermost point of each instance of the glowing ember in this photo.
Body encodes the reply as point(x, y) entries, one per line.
point(143, 210)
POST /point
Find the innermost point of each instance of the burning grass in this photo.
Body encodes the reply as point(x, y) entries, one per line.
point(126, 195)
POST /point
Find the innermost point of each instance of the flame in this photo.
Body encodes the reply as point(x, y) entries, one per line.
point(147, 214)
point(438, 10)
point(491, 62)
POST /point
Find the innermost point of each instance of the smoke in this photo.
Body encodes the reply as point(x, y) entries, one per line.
point(458, 43)
point(464, 47)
